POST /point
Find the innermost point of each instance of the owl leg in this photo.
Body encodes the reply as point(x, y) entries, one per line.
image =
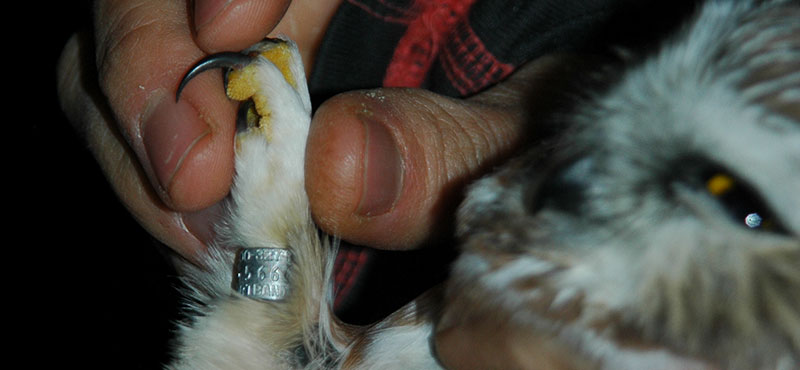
point(261, 295)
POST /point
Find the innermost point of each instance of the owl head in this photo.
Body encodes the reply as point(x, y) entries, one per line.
point(664, 215)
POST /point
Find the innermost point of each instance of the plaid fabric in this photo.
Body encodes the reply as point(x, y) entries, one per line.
point(455, 48)
point(349, 263)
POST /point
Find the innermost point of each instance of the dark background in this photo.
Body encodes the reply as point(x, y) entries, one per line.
point(94, 288)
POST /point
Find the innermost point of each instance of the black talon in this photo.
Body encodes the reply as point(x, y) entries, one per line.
point(227, 60)
point(242, 115)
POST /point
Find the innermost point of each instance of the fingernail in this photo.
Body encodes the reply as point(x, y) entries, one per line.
point(169, 133)
point(206, 10)
point(383, 169)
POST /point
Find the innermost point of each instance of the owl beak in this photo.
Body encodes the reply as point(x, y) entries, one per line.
point(226, 60)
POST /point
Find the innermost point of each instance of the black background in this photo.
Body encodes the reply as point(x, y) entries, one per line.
point(89, 287)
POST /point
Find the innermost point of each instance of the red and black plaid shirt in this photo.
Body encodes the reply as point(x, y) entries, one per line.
point(455, 48)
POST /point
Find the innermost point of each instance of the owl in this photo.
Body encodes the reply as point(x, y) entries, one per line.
point(655, 226)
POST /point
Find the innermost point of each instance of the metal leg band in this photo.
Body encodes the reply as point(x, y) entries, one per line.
point(260, 273)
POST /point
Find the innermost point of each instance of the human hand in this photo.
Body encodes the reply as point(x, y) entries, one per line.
point(399, 158)
point(442, 143)
point(171, 163)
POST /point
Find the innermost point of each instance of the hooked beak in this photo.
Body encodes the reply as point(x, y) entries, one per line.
point(226, 60)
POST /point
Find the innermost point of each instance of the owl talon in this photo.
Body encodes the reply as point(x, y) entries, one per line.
point(264, 76)
point(226, 60)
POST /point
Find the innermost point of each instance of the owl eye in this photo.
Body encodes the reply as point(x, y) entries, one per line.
point(741, 203)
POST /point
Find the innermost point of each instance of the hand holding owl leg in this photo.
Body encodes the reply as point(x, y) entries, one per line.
point(170, 163)
point(260, 291)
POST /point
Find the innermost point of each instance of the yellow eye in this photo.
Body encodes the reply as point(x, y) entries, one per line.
point(719, 184)
point(742, 204)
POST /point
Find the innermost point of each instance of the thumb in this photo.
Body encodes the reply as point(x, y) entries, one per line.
point(386, 167)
